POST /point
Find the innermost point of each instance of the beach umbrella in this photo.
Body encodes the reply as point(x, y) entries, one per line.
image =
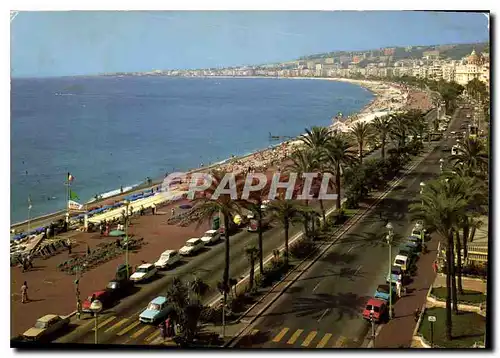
point(117, 233)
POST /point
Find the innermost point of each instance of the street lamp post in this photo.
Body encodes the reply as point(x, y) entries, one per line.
point(422, 185)
point(127, 203)
point(96, 307)
point(441, 162)
point(372, 321)
point(389, 243)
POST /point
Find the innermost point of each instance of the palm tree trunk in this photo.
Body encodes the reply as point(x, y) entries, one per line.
point(453, 278)
point(360, 152)
point(459, 263)
point(448, 287)
point(306, 221)
point(323, 213)
point(337, 184)
point(383, 146)
point(252, 271)
point(286, 226)
point(225, 276)
point(465, 237)
point(261, 248)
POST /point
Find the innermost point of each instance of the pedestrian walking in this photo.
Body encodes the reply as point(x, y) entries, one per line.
point(172, 211)
point(88, 250)
point(69, 248)
point(24, 292)
point(142, 210)
point(163, 330)
point(417, 314)
point(398, 288)
point(435, 266)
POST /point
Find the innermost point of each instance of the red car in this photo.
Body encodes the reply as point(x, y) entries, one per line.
point(380, 310)
point(104, 296)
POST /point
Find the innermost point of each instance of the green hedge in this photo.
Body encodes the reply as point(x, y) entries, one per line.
point(469, 296)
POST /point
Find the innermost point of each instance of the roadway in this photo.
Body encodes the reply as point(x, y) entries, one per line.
point(322, 308)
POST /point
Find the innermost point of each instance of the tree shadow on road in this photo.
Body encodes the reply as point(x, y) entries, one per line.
point(344, 272)
point(338, 258)
point(315, 306)
point(373, 239)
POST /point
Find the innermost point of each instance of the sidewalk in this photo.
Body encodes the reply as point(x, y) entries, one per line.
point(399, 331)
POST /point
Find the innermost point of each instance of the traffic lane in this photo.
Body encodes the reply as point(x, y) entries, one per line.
point(353, 281)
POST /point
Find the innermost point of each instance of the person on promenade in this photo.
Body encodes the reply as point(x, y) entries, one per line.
point(88, 250)
point(153, 209)
point(398, 288)
point(24, 292)
point(172, 211)
point(435, 266)
point(417, 314)
point(141, 212)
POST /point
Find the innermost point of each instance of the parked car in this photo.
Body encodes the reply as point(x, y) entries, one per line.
point(45, 327)
point(191, 247)
point(407, 250)
point(157, 309)
point(103, 295)
point(144, 272)
point(119, 288)
point(379, 308)
point(167, 259)
point(402, 261)
point(395, 275)
point(210, 237)
point(415, 243)
point(382, 292)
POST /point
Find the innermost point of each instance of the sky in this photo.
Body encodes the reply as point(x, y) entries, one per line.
point(92, 42)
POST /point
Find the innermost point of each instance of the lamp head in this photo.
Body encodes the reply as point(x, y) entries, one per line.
point(96, 306)
point(389, 227)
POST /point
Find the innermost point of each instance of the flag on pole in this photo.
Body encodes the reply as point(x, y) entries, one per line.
point(29, 202)
point(73, 205)
point(73, 195)
point(70, 177)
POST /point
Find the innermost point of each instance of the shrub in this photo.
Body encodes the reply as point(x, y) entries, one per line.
point(302, 248)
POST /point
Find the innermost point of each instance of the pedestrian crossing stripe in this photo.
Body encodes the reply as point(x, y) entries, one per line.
point(295, 336)
point(117, 325)
point(102, 324)
point(309, 338)
point(280, 335)
point(341, 342)
point(152, 336)
point(324, 340)
point(141, 331)
point(125, 330)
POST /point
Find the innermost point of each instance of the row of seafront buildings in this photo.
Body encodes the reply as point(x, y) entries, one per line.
point(430, 66)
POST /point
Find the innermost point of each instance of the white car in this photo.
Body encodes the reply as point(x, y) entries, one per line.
point(167, 258)
point(144, 272)
point(192, 246)
point(210, 236)
point(401, 261)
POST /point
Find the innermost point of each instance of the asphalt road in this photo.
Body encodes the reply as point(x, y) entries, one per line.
point(323, 308)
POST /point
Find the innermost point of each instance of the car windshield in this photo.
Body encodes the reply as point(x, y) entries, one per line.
point(41, 325)
point(142, 270)
point(191, 243)
point(400, 262)
point(416, 232)
point(113, 285)
point(165, 256)
point(154, 307)
point(383, 289)
point(395, 272)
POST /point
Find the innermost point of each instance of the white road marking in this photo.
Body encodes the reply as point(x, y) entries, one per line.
point(323, 315)
point(357, 270)
point(315, 287)
point(352, 247)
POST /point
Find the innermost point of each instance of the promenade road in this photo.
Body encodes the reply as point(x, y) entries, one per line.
point(323, 308)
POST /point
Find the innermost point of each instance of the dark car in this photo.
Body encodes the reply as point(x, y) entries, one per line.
point(119, 288)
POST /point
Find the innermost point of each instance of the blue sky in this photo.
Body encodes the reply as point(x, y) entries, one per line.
point(79, 43)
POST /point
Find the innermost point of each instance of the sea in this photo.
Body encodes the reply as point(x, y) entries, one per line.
point(112, 131)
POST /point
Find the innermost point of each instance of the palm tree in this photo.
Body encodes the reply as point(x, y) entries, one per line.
point(206, 207)
point(399, 129)
point(284, 212)
point(472, 154)
point(362, 132)
point(251, 253)
point(441, 210)
point(381, 125)
point(316, 138)
point(338, 157)
point(304, 161)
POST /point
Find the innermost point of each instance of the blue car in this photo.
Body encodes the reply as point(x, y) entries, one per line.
point(157, 309)
point(395, 275)
point(382, 292)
